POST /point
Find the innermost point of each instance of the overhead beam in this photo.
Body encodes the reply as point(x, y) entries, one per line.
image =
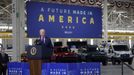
point(4, 9)
point(5, 2)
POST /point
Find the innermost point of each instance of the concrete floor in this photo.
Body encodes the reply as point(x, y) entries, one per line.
point(116, 70)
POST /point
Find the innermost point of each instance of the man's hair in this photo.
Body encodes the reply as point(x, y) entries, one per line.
point(42, 30)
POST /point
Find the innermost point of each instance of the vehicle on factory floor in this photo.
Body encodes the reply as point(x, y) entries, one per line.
point(63, 54)
point(91, 53)
point(121, 53)
point(132, 49)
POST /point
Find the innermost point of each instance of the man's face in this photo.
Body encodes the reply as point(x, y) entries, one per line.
point(42, 32)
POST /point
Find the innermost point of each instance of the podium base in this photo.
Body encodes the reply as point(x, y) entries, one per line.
point(35, 67)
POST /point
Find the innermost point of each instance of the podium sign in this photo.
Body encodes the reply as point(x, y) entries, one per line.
point(18, 68)
point(88, 69)
point(55, 69)
point(34, 52)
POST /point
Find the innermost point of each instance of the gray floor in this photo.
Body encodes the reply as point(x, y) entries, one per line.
point(116, 70)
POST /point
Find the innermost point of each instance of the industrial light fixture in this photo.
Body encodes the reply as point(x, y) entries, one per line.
point(25, 28)
point(63, 0)
point(73, 1)
point(130, 41)
point(91, 2)
point(57, 40)
point(0, 40)
point(69, 40)
point(91, 41)
point(30, 41)
point(82, 1)
point(120, 31)
point(81, 40)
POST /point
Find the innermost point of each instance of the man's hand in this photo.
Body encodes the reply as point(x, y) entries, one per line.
point(3, 64)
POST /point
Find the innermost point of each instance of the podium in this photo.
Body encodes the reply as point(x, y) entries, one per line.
point(36, 56)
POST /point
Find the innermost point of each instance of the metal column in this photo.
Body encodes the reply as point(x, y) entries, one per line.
point(88, 41)
point(105, 17)
point(64, 42)
point(18, 28)
point(4, 42)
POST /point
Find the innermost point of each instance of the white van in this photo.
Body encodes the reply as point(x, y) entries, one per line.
point(120, 53)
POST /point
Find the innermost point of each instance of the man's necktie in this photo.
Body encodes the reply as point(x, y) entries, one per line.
point(42, 39)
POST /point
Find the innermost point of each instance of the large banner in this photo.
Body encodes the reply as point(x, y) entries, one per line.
point(63, 21)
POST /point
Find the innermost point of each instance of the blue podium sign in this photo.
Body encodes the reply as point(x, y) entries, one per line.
point(18, 68)
point(88, 69)
point(63, 21)
point(55, 69)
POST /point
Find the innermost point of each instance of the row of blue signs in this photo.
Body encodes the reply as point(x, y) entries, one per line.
point(17, 68)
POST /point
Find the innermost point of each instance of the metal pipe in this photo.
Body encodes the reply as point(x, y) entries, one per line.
point(105, 21)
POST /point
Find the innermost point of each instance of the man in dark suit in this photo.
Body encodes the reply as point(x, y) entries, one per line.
point(3, 61)
point(45, 42)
